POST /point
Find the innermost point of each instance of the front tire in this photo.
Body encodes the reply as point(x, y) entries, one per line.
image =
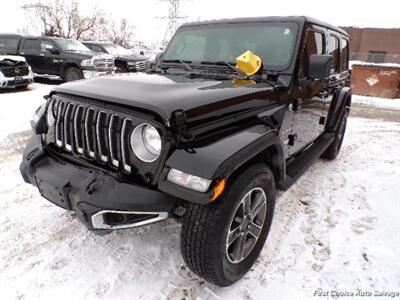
point(72, 74)
point(221, 241)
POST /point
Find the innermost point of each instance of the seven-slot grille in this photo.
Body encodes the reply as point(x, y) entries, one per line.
point(92, 132)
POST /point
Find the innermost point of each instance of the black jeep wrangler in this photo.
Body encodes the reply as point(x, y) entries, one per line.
point(232, 111)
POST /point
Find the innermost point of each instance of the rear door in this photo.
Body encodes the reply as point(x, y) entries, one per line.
point(31, 52)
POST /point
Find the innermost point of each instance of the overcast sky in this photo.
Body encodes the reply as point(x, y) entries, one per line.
point(145, 14)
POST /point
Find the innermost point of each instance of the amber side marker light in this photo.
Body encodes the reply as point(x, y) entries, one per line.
point(218, 189)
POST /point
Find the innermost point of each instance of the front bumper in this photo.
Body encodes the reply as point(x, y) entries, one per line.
point(12, 82)
point(87, 74)
point(94, 195)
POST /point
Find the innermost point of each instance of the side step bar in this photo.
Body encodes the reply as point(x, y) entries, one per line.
point(296, 167)
point(113, 219)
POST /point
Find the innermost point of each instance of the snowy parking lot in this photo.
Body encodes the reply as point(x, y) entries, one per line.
point(336, 229)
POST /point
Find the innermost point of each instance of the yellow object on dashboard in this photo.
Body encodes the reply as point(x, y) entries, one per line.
point(249, 63)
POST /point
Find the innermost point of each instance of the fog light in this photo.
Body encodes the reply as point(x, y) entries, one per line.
point(188, 181)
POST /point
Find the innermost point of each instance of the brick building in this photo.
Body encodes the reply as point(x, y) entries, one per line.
point(374, 44)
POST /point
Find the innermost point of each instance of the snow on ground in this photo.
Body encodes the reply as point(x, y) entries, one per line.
point(366, 63)
point(337, 229)
point(18, 106)
point(393, 104)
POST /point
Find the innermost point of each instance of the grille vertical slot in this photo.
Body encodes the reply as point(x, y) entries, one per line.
point(68, 132)
point(90, 133)
point(59, 124)
point(79, 129)
point(101, 130)
point(113, 140)
point(126, 128)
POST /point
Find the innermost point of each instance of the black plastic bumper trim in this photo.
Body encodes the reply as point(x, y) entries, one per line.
point(85, 190)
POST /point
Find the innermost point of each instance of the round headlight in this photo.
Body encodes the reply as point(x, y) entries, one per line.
point(146, 142)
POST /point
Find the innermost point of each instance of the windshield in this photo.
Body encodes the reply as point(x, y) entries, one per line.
point(71, 45)
point(116, 49)
point(272, 41)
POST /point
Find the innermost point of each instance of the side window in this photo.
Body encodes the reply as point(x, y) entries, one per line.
point(333, 49)
point(344, 56)
point(44, 45)
point(32, 44)
point(314, 45)
point(2, 45)
point(11, 43)
point(95, 48)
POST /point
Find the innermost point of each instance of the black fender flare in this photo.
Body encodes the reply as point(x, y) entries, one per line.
point(222, 158)
point(341, 101)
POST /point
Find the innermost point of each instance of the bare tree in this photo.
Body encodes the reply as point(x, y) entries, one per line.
point(174, 18)
point(63, 18)
point(119, 32)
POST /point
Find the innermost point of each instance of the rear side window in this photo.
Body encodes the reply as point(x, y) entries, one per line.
point(333, 49)
point(11, 43)
point(344, 55)
point(32, 45)
point(314, 45)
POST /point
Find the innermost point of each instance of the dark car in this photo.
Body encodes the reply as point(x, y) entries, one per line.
point(125, 60)
point(233, 111)
point(14, 72)
point(57, 57)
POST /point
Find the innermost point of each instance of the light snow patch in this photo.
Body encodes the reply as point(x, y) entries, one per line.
point(337, 228)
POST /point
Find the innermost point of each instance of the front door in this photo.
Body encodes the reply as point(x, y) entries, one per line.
point(51, 62)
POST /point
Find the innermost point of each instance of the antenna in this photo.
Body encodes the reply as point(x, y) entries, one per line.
point(174, 18)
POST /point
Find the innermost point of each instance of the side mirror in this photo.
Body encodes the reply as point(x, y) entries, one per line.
point(319, 66)
point(53, 50)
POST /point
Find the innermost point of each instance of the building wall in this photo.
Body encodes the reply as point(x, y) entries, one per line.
point(374, 39)
point(374, 44)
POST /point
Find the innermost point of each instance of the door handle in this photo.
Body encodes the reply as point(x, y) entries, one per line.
point(41, 54)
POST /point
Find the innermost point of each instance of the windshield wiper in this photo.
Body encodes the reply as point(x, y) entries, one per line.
point(183, 63)
point(224, 63)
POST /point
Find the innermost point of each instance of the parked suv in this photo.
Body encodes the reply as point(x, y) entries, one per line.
point(125, 60)
point(233, 111)
point(56, 57)
point(14, 72)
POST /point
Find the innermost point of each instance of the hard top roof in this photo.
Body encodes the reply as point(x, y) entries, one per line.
point(297, 19)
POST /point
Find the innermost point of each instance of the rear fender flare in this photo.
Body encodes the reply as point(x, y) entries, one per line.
point(341, 101)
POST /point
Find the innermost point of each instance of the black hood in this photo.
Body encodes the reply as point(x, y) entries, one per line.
point(164, 94)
